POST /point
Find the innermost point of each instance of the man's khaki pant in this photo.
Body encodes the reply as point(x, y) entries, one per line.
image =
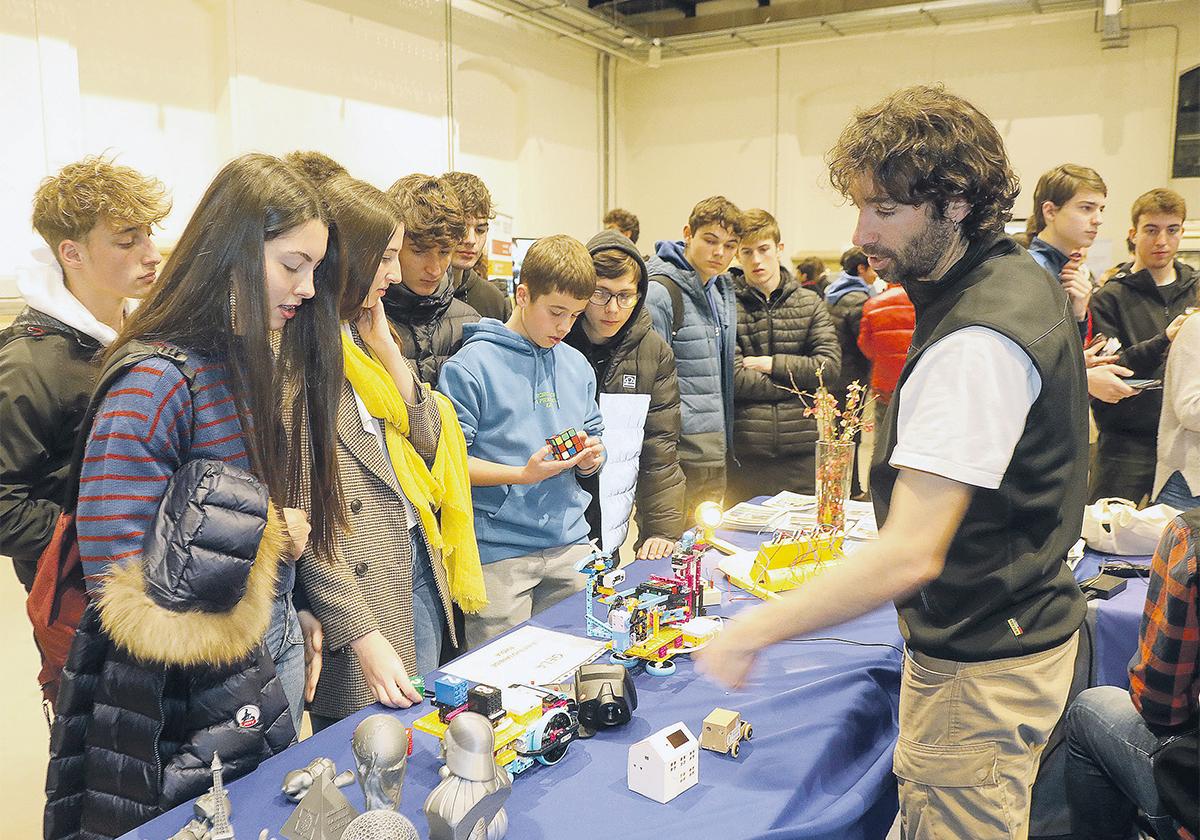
point(971, 734)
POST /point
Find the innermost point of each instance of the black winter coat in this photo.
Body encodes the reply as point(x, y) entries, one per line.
point(846, 314)
point(47, 372)
point(1131, 308)
point(482, 296)
point(430, 328)
point(639, 361)
point(794, 328)
point(167, 667)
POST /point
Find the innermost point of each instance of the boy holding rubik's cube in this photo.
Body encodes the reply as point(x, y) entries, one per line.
point(526, 402)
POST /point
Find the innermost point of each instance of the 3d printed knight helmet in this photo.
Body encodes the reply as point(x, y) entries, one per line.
point(381, 746)
point(469, 801)
point(468, 748)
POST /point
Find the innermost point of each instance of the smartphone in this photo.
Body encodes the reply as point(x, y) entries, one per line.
point(1144, 384)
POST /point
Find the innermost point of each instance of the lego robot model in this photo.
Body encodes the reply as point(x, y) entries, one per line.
point(645, 625)
point(789, 559)
point(537, 729)
point(468, 804)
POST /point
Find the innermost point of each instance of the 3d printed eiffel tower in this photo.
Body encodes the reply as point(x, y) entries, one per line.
point(221, 829)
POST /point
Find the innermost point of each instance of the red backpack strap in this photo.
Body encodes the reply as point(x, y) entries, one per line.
point(56, 602)
point(59, 597)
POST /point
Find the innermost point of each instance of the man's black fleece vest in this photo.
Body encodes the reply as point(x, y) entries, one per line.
point(1005, 589)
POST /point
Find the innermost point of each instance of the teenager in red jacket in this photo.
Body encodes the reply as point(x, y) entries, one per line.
point(883, 336)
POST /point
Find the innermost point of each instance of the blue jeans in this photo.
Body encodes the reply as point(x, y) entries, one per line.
point(429, 619)
point(285, 645)
point(1176, 493)
point(1109, 774)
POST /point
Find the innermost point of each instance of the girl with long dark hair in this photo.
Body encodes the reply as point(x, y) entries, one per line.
point(188, 514)
point(383, 593)
point(249, 264)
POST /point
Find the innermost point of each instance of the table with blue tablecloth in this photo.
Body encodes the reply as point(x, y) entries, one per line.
point(1114, 623)
point(824, 713)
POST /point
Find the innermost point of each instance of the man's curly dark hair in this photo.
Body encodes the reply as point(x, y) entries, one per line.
point(922, 144)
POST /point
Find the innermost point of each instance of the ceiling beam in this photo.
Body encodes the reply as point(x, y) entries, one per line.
point(815, 11)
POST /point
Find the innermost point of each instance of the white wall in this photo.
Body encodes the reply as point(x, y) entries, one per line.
point(176, 88)
point(691, 129)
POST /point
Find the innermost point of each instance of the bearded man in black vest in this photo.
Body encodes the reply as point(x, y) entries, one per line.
point(979, 483)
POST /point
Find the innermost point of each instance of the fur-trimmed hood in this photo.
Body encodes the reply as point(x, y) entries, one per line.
point(203, 590)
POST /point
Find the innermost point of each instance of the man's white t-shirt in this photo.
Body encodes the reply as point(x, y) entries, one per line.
point(964, 406)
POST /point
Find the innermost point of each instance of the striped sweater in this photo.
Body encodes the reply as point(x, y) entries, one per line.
point(148, 426)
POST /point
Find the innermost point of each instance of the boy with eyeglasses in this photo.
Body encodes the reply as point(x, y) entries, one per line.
point(638, 393)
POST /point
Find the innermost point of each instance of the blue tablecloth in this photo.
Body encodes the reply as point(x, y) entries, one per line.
point(1115, 622)
point(819, 765)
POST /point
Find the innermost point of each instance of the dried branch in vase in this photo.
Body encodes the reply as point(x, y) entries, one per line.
point(836, 424)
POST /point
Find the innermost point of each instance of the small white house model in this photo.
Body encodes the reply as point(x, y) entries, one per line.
point(664, 765)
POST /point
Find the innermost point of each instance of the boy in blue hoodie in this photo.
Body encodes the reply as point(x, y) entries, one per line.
point(691, 303)
point(514, 385)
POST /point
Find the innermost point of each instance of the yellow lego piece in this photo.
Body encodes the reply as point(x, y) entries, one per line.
point(785, 565)
point(781, 566)
point(507, 730)
point(525, 709)
point(649, 649)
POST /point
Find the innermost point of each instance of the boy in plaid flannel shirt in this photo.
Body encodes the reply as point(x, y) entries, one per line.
point(1113, 734)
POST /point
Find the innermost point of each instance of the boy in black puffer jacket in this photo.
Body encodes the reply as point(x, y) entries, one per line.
point(784, 336)
point(428, 317)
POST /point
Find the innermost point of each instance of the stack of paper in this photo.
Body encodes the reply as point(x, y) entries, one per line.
point(747, 516)
point(791, 511)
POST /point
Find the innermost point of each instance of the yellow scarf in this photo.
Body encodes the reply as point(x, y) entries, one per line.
point(446, 487)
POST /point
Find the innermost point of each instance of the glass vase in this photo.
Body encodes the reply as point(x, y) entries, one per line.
point(835, 469)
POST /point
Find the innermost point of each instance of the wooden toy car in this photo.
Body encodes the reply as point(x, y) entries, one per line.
point(723, 732)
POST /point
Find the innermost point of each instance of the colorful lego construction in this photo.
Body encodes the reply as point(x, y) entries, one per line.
point(789, 560)
point(644, 625)
point(537, 728)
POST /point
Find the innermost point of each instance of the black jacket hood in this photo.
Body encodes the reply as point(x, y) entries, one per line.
point(1143, 282)
point(635, 328)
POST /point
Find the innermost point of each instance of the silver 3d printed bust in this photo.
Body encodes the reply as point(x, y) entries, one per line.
point(380, 745)
point(468, 804)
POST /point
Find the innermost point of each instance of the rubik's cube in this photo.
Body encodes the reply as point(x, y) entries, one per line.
point(565, 445)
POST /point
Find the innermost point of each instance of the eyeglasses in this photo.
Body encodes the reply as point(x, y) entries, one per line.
point(625, 300)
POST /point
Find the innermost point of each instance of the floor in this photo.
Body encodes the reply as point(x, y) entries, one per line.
point(24, 732)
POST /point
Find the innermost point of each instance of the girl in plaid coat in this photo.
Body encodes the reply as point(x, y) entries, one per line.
point(381, 599)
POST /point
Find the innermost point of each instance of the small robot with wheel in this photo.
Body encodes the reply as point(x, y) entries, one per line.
point(723, 732)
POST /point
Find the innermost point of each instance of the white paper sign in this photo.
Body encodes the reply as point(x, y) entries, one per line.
point(527, 655)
